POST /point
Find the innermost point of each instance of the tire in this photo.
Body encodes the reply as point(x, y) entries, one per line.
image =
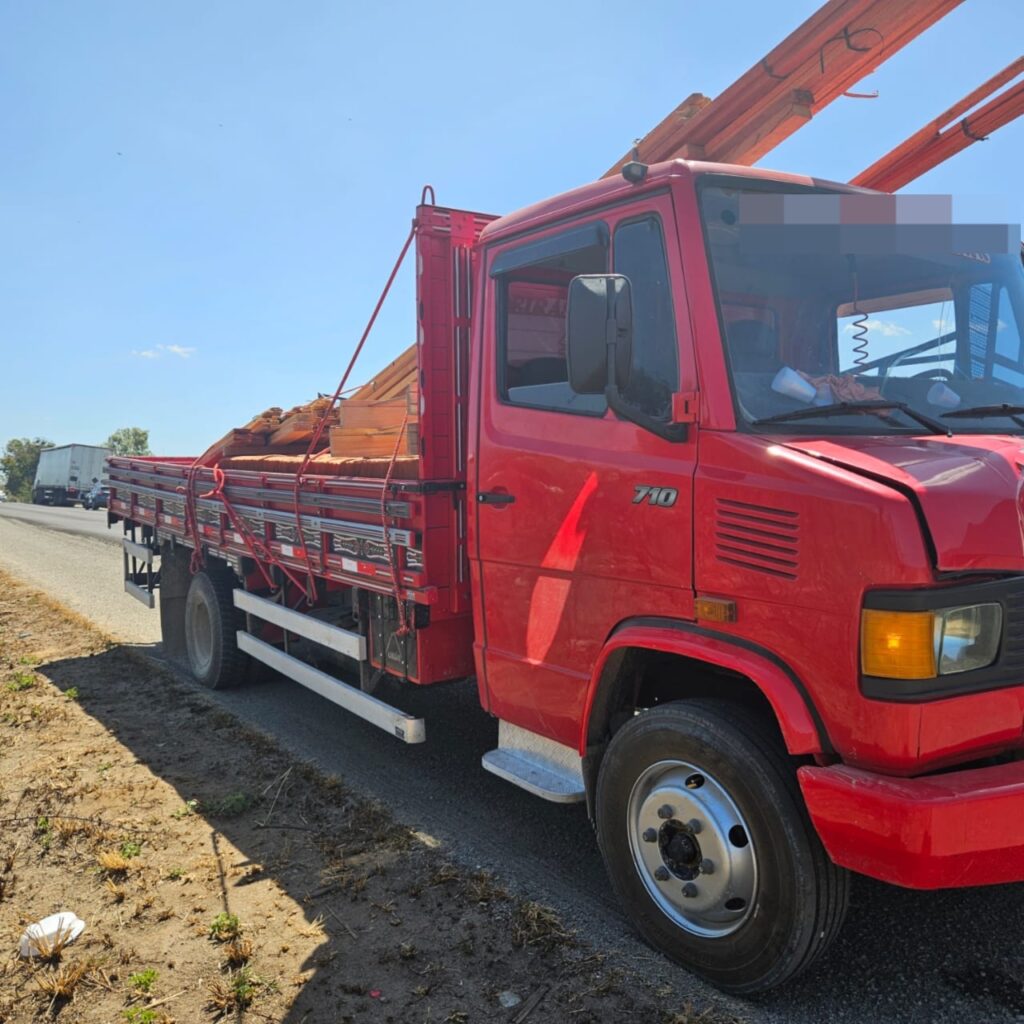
point(211, 621)
point(747, 897)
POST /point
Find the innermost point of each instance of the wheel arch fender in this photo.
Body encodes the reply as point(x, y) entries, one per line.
point(802, 728)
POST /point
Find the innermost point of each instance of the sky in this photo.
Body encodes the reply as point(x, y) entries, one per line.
point(200, 201)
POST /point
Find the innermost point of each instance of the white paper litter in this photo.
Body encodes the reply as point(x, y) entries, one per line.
point(64, 927)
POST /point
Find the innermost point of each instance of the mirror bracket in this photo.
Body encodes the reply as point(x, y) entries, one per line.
point(674, 432)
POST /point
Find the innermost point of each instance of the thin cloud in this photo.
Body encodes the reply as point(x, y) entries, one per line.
point(158, 351)
point(943, 325)
point(884, 327)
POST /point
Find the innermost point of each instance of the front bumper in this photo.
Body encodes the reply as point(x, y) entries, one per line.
point(935, 832)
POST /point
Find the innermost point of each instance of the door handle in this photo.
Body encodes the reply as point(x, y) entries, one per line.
point(495, 498)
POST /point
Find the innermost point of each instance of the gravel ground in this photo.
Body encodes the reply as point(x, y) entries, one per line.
point(918, 958)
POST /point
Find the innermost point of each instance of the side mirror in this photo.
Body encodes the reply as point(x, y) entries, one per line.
point(599, 317)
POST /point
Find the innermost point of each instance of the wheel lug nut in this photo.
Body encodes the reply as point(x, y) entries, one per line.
point(665, 812)
point(661, 874)
point(707, 867)
point(689, 890)
point(694, 826)
point(650, 835)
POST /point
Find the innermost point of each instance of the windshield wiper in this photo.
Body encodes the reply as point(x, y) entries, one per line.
point(1011, 412)
point(877, 406)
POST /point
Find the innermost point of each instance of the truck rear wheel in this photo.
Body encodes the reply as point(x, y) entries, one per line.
point(211, 622)
point(708, 845)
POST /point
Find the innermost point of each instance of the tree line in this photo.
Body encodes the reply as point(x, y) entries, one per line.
point(21, 457)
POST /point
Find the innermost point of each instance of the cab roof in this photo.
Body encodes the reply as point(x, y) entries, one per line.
point(658, 175)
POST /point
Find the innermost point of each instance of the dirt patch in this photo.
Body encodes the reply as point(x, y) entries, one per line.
point(219, 878)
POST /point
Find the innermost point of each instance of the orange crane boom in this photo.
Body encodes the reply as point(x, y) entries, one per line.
point(830, 52)
point(950, 132)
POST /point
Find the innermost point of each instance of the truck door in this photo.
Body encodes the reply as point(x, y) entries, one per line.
point(582, 519)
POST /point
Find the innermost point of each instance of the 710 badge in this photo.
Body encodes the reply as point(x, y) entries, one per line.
point(665, 497)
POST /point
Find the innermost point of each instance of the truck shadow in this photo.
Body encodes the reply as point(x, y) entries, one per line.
point(903, 956)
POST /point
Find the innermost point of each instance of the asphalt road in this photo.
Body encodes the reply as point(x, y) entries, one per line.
point(90, 522)
point(926, 958)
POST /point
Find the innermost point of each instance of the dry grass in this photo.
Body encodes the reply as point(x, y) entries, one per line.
point(238, 952)
point(60, 985)
point(117, 892)
point(536, 925)
point(236, 993)
point(113, 862)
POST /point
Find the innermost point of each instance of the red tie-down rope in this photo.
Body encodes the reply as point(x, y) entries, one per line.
point(260, 552)
point(310, 587)
point(403, 625)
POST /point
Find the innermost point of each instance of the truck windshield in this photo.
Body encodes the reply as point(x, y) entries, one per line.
point(926, 332)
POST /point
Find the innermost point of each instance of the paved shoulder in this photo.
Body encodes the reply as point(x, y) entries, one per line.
point(88, 522)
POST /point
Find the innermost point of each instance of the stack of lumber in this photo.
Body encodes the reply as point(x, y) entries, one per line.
point(381, 415)
point(299, 424)
point(364, 431)
point(392, 380)
point(373, 428)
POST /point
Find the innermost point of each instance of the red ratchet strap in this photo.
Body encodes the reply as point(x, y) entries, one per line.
point(310, 588)
point(403, 625)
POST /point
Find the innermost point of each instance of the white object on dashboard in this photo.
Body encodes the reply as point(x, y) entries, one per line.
point(790, 383)
point(940, 395)
point(824, 395)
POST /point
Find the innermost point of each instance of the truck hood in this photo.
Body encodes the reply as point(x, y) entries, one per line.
point(968, 489)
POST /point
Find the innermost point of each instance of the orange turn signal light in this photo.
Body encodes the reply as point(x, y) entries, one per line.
point(897, 645)
point(715, 609)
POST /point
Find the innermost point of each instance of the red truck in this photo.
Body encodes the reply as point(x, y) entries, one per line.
point(730, 540)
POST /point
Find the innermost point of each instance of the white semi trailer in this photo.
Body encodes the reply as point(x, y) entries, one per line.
point(65, 474)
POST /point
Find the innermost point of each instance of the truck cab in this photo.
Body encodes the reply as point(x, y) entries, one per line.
point(732, 475)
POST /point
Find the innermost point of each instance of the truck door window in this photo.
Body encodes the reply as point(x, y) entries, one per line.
point(532, 363)
point(639, 251)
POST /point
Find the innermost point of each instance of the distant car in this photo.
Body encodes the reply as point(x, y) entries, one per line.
point(97, 497)
point(3, 497)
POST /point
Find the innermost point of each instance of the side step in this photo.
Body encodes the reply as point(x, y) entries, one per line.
point(541, 766)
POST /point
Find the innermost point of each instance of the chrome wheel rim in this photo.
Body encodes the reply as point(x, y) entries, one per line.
point(692, 848)
point(200, 636)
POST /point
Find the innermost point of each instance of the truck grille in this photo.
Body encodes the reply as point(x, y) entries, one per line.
point(757, 537)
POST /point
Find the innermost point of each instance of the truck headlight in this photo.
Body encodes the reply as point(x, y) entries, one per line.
point(922, 645)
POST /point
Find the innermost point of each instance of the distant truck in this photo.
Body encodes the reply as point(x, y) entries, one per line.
point(65, 474)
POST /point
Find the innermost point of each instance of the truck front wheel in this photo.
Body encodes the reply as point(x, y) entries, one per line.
point(211, 622)
point(707, 843)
